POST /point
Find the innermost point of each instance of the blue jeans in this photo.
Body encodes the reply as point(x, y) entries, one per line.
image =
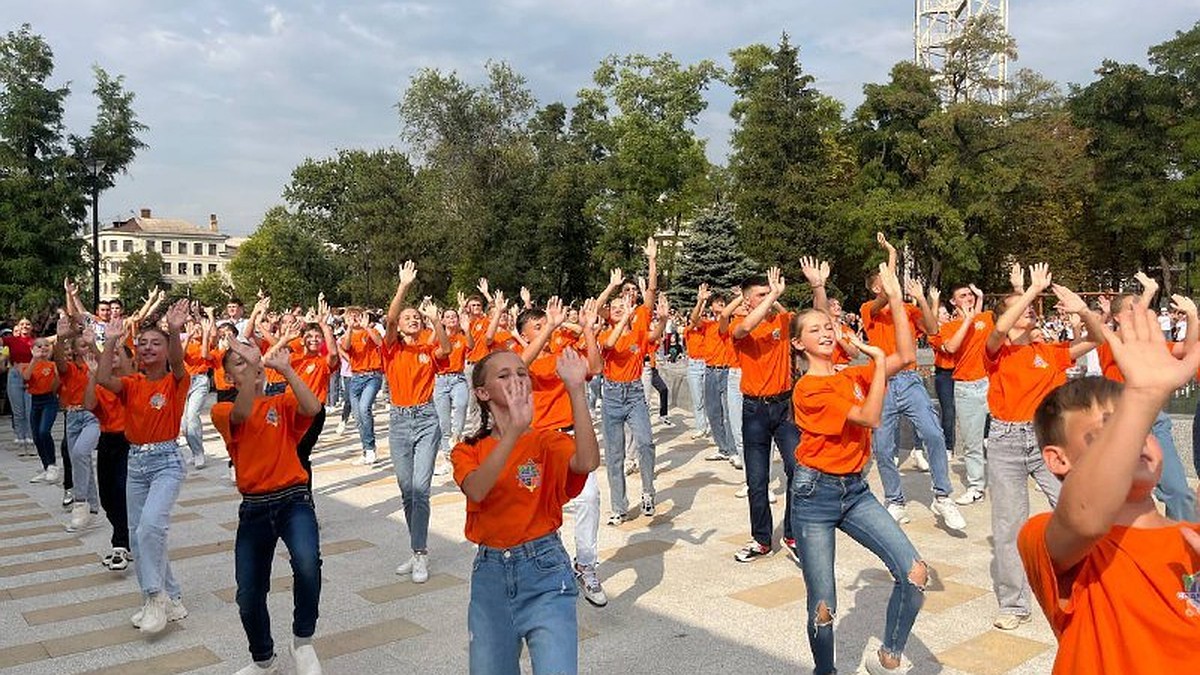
point(20, 403)
point(733, 403)
point(625, 403)
point(43, 411)
point(971, 408)
point(83, 434)
point(1172, 489)
point(193, 429)
point(450, 394)
point(261, 523)
point(155, 475)
point(824, 503)
point(593, 391)
point(364, 387)
point(413, 436)
point(335, 390)
point(695, 378)
point(765, 419)
point(943, 386)
point(528, 593)
point(347, 408)
point(716, 402)
point(906, 396)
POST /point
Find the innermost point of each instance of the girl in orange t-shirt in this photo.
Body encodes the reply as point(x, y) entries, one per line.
point(41, 381)
point(314, 369)
point(361, 343)
point(154, 399)
point(198, 367)
point(835, 411)
point(517, 480)
point(83, 429)
point(409, 354)
point(450, 390)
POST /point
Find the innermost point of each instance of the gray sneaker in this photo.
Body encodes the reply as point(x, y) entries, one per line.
point(589, 585)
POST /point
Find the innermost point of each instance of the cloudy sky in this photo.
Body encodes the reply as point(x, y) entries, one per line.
point(238, 92)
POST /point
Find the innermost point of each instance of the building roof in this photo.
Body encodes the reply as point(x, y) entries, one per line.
point(162, 226)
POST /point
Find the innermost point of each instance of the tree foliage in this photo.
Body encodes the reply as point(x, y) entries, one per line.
point(140, 274)
point(285, 261)
point(711, 255)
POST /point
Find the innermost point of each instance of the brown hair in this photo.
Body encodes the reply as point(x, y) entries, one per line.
point(478, 377)
point(1080, 394)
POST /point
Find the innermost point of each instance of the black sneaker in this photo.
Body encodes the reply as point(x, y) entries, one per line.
point(752, 551)
point(647, 505)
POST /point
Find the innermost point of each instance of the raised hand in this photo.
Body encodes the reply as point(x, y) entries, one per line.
point(1182, 303)
point(526, 298)
point(642, 288)
point(935, 296)
point(882, 240)
point(323, 309)
point(408, 272)
point(1039, 277)
point(1016, 277)
point(556, 314)
point(462, 300)
point(572, 369)
point(1105, 303)
point(429, 310)
point(816, 272)
point(70, 287)
point(703, 294)
point(776, 282)
point(519, 396)
point(664, 307)
point(64, 324)
point(874, 352)
point(483, 288)
point(615, 277)
point(177, 315)
point(500, 301)
point(1068, 300)
point(651, 247)
point(891, 285)
point(1139, 348)
point(914, 289)
point(587, 314)
point(278, 360)
point(1149, 286)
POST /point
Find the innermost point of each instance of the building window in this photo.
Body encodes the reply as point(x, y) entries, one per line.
point(149, 244)
point(166, 268)
point(197, 249)
point(197, 270)
point(127, 246)
point(166, 247)
point(212, 249)
point(212, 269)
point(182, 269)
point(116, 267)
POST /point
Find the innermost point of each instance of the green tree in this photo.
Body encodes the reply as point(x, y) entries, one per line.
point(212, 290)
point(140, 274)
point(711, 255)
point(284, 260)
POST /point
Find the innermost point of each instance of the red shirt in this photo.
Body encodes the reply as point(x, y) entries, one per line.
point(20, 349)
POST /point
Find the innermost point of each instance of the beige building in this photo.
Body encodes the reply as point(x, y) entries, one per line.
point(189, 252)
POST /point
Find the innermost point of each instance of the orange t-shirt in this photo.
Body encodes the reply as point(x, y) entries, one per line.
point(478, 329)
point(527, 499)
point(717, 346)
point(1020, 376)
point(820, 405)
point(43, 379)
point(193, 362)
point(551, 405)
point(314, 372)
point(456, 360)
point(409, 369)
point(1132, 606)
point(273, 376)
point(765, 355)
point(968, 360)
point(364, 352)
point(72, 383)
point(696, 343)
point(271, 432)
point(217, 356)
point(881, 329)
point(153, 408)
point(562, 338)
point(109, 411)
point(624, 362)
point(504, 340)
point(937, 342)
point(840, 356)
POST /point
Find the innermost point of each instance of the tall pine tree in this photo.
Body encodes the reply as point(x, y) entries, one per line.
point(711, 255)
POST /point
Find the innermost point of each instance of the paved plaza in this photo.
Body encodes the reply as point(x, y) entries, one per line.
point(679, 602)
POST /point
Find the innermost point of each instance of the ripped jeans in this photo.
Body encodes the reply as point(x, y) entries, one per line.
point(822, 503)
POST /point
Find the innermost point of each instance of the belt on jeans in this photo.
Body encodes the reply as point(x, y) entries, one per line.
point(151, 447)
point(569, 429)
point(277, 495)
point(528, 549)
point(412, 408)
point(716, 367)
point(856, 474)
point(773, 398)
point(74, 408)
point(366, 372)
point(456, 373)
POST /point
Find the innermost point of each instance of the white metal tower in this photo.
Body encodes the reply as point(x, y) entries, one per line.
point(939, 21)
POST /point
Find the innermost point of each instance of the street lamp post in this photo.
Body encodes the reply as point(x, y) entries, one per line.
point(95, 166)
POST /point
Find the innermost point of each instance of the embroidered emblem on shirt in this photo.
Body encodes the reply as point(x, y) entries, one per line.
point(776, 334)
point(312, 368)
point(422, 358)
point(858, 393)
point(633, 349)
point(529, 475)
point(1191, 593)
point(1039, 362)
point(979, 325)
point(272, 417)
point(158, 401)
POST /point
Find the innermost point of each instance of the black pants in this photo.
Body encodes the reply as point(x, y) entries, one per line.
point(305, 447)
point(68, 481)
point(660, 386)
point(112, 465)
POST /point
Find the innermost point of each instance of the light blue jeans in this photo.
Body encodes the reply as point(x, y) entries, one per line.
point(625, 403)
point(906, 395)
point(156, 473)
point(971, 412)
point(528, 593)
point(716, 402)
point(695, 378)
point(193, 428)
point(413, 436)
point(450, 393)
point(83, 434)
point(364, 387)
point(733, 394)
point(1172, 489)
point(20, 403)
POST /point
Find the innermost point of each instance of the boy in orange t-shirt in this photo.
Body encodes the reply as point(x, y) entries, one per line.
point(1116, 579)
point(261, 433)
point(718, 357)
point(517, 480)
point(41, 382)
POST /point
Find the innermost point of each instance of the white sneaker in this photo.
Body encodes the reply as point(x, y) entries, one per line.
point(772, 497)
point(716, 456)
point(951, 516)
point(53, 474)
point(118, 560)
point(81, 517)
point(898, 512)
point(154, 614)
point(1010, 621)
point(367, 459)
point(666, 421)
point(736, 461)
point(405, 568)
point(969, 497)
point(420, 568)
point(175, 609)
point(697, 435)
point(441, 469)
point(198, 460)
point(742, 492)
point(270, 668)
point(305, 658)
point(39, 477)
point(918, 458)
point(589, 585)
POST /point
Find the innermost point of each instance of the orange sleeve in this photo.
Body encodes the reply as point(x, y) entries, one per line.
point(300, 421)
point(560, 448)
point(465, 459)
point(1039, 568)
point(1062, 352)
point(220, 419)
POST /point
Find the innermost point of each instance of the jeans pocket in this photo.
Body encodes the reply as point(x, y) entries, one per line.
point(804, 482)
point(552, 560)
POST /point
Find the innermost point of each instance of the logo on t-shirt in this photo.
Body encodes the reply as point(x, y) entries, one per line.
point(422, 358)
point(858, 393)
point(311, 368)
point(1039, 362)
point(979, 325)
point(1191, 593)
point(776, 334)
point(273, 417)
point(529, 475)
point(633, 349)
point(158, 401)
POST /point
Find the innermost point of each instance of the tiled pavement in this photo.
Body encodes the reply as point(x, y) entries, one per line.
point(680, 604)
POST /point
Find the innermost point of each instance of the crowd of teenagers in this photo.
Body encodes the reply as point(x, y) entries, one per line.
point(504, 398)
